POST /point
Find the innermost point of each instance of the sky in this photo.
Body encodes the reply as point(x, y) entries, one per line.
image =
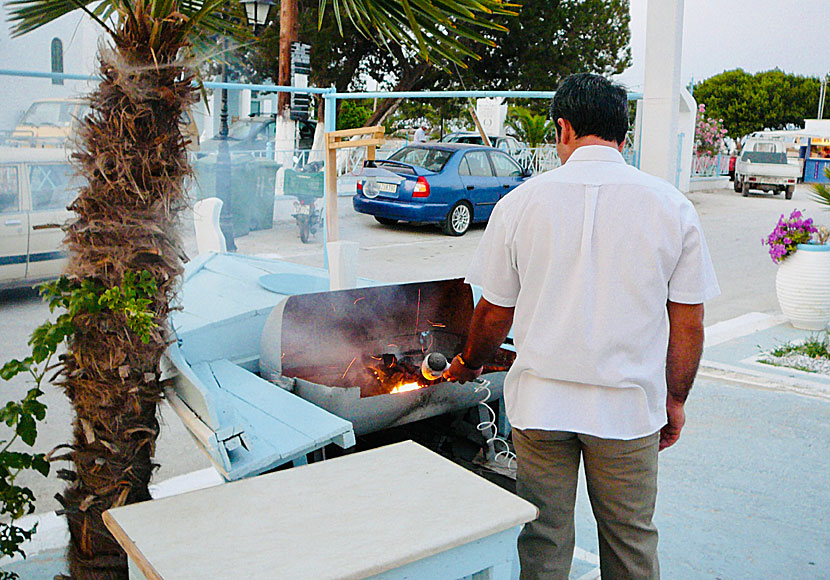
point(755, 35)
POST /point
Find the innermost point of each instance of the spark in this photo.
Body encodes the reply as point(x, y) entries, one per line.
point(358, 300)
point(333, 308)
point(392, 346)
point(437, 324)
point(348, 367)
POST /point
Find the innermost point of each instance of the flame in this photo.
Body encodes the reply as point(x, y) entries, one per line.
point(403, 388)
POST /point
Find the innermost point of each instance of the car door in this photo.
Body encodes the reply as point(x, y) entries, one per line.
point(507, 171)
point(51, 189)
point(14, 226)
point(480, 184)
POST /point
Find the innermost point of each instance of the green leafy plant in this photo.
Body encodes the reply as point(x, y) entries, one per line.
point(132, 299)
point(816, 346)
point(531, 128)
point(352, 115)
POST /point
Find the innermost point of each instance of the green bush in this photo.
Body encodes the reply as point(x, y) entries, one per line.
point(352, 115)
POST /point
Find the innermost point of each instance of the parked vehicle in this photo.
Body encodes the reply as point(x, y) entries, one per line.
point(507, 143)
point(36, 186)
point(450, 184)
point(256, 135)
point(763, 165)
point(308, 186)
point(48, 123)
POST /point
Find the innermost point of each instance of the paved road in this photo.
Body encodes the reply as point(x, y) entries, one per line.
point(734, 227)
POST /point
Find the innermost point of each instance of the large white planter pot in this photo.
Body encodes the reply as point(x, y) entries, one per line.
point(803, 286)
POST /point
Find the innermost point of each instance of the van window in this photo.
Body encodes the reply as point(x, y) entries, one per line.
point(9, 190)
point(52, 186)
point(764, 157)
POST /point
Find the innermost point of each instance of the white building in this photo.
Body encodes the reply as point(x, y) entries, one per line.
point(67, 45)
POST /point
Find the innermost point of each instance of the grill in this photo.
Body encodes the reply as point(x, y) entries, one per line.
point(357, 353)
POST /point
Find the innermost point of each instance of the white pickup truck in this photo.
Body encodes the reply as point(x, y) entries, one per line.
point(763, 165)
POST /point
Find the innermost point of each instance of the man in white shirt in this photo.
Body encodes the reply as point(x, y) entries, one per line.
point(602, 271)
point(420, 134)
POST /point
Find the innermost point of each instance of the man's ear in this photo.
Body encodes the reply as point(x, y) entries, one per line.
point(565, 131)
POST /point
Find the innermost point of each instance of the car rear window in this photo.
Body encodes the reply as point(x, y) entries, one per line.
point(764, 157)
point(430, 159)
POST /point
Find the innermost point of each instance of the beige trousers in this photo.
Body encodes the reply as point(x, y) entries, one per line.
point(622, 486)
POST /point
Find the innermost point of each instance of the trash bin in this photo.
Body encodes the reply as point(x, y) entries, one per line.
point(252, 189)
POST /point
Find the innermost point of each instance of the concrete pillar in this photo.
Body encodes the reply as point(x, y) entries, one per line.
point(661, 94)
point(284, 141)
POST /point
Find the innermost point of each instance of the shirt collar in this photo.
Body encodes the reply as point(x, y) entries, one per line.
point(596, 153)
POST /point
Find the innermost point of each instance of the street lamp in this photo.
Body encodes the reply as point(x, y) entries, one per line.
point(257, 13)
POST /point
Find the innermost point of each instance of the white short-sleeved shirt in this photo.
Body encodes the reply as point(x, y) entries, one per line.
point(589, 254)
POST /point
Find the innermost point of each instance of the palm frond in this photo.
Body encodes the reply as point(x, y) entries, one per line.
point(429, 27)
point(28, 15)
point(820, 192)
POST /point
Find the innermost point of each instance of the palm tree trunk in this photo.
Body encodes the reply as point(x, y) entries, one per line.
point(134, 159)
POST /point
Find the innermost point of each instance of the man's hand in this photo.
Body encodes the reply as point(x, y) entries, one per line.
point(460, 373)
point(488, 328)
point(670, 433)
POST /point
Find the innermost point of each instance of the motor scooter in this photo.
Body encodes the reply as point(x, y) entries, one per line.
point(307, 185)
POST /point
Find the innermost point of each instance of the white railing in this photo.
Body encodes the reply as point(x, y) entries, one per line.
point(710, 166)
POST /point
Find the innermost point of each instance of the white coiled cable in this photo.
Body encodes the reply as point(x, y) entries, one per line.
point(489, 430)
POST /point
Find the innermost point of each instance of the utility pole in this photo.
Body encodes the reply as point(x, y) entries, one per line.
point(821, 95)
point(289, 29)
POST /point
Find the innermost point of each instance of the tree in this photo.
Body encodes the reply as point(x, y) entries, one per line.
point(124, 244)
point(549, 42)
point(530, 128)
point(754, 102)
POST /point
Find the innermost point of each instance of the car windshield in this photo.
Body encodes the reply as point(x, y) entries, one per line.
point(242, 130)
point(430, 159)
point(50, 113)
point(765, 157)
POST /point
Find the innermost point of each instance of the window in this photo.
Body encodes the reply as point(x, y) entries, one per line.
point(505, 167)
point(9, 190)
point(764, 157)
point(479, 165)
point(429, 159)
point(57, 59)
point(52, 186)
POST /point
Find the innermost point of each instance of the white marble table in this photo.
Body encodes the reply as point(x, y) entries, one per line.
point(394, 512)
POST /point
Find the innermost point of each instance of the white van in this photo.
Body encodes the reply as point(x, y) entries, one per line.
point(36, 186)
point(763, 165)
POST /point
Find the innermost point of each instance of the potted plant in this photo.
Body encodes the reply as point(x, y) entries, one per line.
point(802, 283)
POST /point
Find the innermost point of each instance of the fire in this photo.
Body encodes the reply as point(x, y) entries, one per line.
point(406, 387)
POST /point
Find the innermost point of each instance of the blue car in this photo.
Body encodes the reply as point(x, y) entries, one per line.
point(450, 184)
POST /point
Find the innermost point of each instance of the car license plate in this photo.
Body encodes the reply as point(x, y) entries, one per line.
point(387, 187)
point(304, 209)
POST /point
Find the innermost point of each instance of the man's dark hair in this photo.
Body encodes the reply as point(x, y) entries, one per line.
point(593, 105)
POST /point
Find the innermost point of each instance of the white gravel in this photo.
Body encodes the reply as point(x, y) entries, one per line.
point(800, 361)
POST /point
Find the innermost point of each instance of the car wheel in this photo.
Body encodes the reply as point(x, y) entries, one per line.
point(790, 190)
point(458, 219)
point(736, 184)
point(745, 188)
point(385, 221)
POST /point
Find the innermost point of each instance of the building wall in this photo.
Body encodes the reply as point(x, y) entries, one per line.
point(32, 52)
